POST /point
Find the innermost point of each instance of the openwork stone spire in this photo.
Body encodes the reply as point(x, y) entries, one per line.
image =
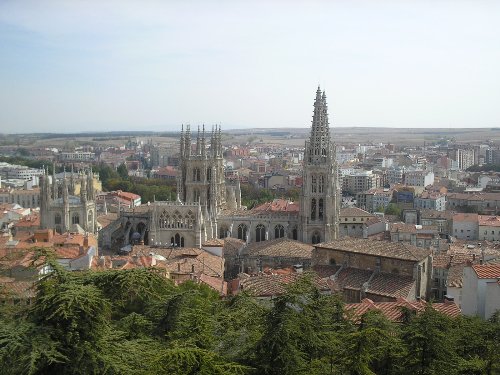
point(319, 143)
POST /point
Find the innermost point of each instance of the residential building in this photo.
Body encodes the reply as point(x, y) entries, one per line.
point(360, 181)
point(418, 178)
point(352, 221)
point(481, 290)
point(430, 200)
point(489, 227)
point(379, 270)
point(465, 226)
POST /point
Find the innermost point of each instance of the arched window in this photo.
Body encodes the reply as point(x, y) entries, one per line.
point(177, 240)
point(260, 233)
point(313, 209)
point(314, 181)
point(209, 174)
point(223, 232)
point(316, 238)
point(196, 195)
point(320, 208)
point(90, 217)
point(242, 232)
point(279, 231)
point(57, 218)
point(75, 219)
point(294, 234)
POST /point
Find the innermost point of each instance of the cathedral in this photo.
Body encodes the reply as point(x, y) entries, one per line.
point(62, 209)
point(207, 208)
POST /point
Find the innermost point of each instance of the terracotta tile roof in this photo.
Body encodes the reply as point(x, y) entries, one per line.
point(11, 289)
point(373, 220)
point(216, 283)
point(465, 217)
point(277, 205)
point(354, 212)
point(274, 285)
point(394, 310)
point(490, 221)
point(232, 246)
point(455, 276)
point(382, 284)
point(448, 260)
point(474, 196)
point(487, 271)
point(280, 247)
point(107, 219)
point(396, 250)
point(29, 221)
point(185, 260)
point(325, 270)
point(214, 242)
point(412, 228)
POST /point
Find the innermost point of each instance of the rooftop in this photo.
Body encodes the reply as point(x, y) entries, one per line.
point(280, 247)
point(396, 250)
point(394, 310)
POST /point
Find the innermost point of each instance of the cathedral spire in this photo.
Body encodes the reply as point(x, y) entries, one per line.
point(318, 149)
point(203, 143)
point(182, 143)
point(198, 145)
point(187, 140)
point(54, 182)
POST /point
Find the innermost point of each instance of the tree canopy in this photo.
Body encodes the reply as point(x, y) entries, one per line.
point(138, 322)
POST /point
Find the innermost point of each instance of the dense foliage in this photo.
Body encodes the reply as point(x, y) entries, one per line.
point(149, 189)
point(138, 322)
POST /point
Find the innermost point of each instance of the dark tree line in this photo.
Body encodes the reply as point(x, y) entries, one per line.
point(139, 322)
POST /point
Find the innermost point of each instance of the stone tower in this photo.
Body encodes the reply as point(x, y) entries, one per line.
point(320, 196)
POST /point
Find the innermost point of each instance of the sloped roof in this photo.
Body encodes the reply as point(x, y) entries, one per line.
point(354, 212)
point(382, 284)
point(274, 285)
point(487, 271)
point(280, 247)
point(393, 310)
point(396, 250)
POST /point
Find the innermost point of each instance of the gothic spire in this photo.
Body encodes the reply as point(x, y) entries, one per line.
point(187, 139)
point(319, 143)
point(182, 141)
point(203, 143)
point(198, 142)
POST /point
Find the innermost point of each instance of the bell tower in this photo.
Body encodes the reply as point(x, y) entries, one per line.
point(320, 196)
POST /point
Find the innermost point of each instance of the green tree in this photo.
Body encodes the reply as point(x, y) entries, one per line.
point(429, 341)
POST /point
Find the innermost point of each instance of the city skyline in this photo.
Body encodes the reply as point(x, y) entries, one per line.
point(85, 67)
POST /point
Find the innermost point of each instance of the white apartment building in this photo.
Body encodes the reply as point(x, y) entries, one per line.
point(419, 178)
point(77, 156)
point(481, 290)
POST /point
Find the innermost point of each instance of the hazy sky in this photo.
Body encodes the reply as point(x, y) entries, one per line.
point(119, 65)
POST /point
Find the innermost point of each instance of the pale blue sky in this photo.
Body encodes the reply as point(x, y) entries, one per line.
point(131, 65)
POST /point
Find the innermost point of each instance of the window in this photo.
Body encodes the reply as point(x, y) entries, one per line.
point(294, 234)
point(75, 219)
point(242, 232)
point(313, 209)
point(320, 209)
point(279, 231)
point(57, 218)
point(316, 238)
point(260, 233)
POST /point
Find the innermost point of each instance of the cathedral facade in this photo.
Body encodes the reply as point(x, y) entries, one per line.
point(207, 208)
point(62, 209)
